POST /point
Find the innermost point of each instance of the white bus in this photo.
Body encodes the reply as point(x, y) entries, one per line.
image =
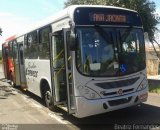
point(86, 59)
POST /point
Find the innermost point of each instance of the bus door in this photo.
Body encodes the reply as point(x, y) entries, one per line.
point(5, 58)
point(16, 77)
point(21, 65)
point(62, 80)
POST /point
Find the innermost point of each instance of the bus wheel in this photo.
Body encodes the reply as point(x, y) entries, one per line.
point(48, 100)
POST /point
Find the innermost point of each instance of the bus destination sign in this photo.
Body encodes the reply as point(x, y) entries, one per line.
point(106, 16)
point(95, 17)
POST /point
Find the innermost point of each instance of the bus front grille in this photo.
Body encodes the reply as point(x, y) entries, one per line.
point(117, 84)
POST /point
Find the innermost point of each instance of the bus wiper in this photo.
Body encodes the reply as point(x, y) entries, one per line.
point(127, 33)
point(104, 34)
point(108, 37)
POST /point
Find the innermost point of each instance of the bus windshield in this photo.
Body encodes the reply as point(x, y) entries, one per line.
point(109, 51)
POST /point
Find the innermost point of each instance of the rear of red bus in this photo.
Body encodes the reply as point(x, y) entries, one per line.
point(7, 59)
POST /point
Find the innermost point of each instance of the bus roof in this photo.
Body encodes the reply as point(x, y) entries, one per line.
point(67, 12)
point(10, 38)
point(5, 42)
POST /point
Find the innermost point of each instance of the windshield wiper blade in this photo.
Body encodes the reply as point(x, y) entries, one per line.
point(104, 34)
point(127, 33)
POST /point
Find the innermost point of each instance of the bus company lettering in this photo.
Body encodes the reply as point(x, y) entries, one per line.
point(31, 72)
point(108, 18)
point(31, 65)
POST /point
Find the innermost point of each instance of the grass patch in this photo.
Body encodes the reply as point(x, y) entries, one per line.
point(154, 89)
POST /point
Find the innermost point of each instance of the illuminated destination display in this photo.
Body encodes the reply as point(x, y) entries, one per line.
point(108, 18)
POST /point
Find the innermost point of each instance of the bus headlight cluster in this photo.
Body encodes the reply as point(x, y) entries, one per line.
point(143, 85)
point(87, 92)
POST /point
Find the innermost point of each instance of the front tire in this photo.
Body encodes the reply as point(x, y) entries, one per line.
point(49, 100)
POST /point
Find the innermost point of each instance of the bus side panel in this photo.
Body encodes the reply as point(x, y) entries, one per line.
point(35, 70)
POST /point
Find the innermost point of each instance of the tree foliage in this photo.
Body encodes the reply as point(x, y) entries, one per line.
point(145, 8)
point(1, 31)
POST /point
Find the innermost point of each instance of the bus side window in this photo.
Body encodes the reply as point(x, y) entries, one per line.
point(21, 53)
point(15, 54)
point(44, 52)
point(10, 54)
point(6, 53)
point(25, 47)
point(32, 49)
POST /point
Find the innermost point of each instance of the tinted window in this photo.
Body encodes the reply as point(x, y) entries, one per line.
point(15, 54)
point(32, 48)
point(21, 54)
point(44, 43)
point(10, 50)
point(110, 51)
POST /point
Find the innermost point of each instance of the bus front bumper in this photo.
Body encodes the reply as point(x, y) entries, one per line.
point(87, 107)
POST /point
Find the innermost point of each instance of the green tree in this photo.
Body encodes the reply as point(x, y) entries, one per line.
point(145, 8)
point(1, 31)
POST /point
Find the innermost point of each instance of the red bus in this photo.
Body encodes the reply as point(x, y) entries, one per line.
point(7, 59)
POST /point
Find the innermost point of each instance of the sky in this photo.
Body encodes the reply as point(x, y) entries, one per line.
point(18, 15)
point(157, 2)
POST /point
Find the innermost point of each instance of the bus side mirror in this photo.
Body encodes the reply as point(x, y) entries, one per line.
point(71, 40)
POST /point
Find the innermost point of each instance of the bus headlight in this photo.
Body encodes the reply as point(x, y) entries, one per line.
point(143, 85)
point(88, 93)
